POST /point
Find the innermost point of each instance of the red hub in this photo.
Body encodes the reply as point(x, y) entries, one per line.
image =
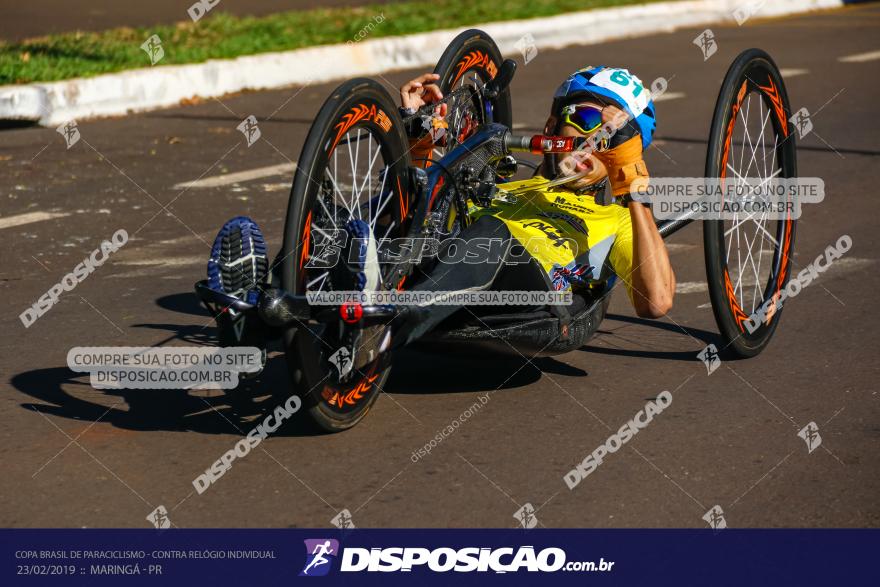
point(351, 312)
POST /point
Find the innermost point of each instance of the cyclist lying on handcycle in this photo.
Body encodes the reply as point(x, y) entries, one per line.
point(623, 235)
point(362, 190)
point(567, 238)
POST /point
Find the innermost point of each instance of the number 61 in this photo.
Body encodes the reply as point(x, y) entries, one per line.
point(620, 77)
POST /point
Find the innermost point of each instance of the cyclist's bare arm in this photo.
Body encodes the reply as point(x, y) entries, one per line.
point(652, 278)
point(653, 281)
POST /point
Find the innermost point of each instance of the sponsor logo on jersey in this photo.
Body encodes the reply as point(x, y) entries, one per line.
point(549, 230)
point(576, 223)
point(562, 202)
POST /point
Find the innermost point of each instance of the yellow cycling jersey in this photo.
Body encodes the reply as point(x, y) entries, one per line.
point(577, 241)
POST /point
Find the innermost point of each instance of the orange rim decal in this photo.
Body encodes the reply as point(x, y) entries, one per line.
point(729, 133)
point(775, 98)
point(773, 93)
point(738, 313)
point(475, 59)
point(305, 241)
point(335, 398)
point(732, 302)
point(404, 202)
point(360, 112)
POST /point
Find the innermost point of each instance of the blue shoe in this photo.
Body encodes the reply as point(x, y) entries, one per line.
point(238, 263)
point(238, 267)
point(358, 269)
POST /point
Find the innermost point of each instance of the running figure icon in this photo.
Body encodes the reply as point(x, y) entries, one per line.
point(318, 556)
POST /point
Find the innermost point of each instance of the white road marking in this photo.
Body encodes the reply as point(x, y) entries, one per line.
point(669, 96)
point(275, 187)
point(787, 73)
point(157, 266)
point(230, 178)
point(687, 287)
point(30, 217)
point(679, 247)
point(166, 261)
point(136, 273)
point(860, 57)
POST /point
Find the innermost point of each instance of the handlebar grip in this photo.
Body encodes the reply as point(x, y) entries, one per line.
point(542, 144)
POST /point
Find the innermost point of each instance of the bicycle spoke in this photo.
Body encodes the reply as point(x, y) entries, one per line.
point(322, 278)
point(746, 137)
point(382, 205)
point(337, 190)
point(348, 201)
point(748, 232)
point(358, 188)
point(753, 158)
point(756, 290)
point(390, 226)
point(335, 167)
point(369, 179)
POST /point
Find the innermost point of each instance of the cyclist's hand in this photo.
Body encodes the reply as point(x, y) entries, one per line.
point(420, 91)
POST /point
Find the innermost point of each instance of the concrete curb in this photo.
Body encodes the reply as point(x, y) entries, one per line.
point(116, 94)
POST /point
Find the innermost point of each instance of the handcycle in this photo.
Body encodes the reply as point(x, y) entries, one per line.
point(356, 162)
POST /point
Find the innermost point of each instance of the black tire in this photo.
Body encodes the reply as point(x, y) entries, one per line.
point(358, 111)
point(753, 82)
point(473, 52)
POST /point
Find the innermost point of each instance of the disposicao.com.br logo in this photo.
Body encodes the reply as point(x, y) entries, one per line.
point(442, 560)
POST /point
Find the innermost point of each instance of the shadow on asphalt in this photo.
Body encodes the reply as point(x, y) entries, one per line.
point(421, 372)
point(184, 303)
point(60, 392)
point(703, 336)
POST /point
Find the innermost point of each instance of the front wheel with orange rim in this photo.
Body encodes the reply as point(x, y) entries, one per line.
point(471, 60)
point(749, 255)
point(353, 168)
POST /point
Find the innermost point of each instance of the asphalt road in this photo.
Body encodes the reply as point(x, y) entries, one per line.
point(22, 20)
point(74, 456)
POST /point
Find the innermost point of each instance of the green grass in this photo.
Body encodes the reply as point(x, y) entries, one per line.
point(220, 36)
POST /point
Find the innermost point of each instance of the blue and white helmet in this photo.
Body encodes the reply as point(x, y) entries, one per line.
point(611, 85)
